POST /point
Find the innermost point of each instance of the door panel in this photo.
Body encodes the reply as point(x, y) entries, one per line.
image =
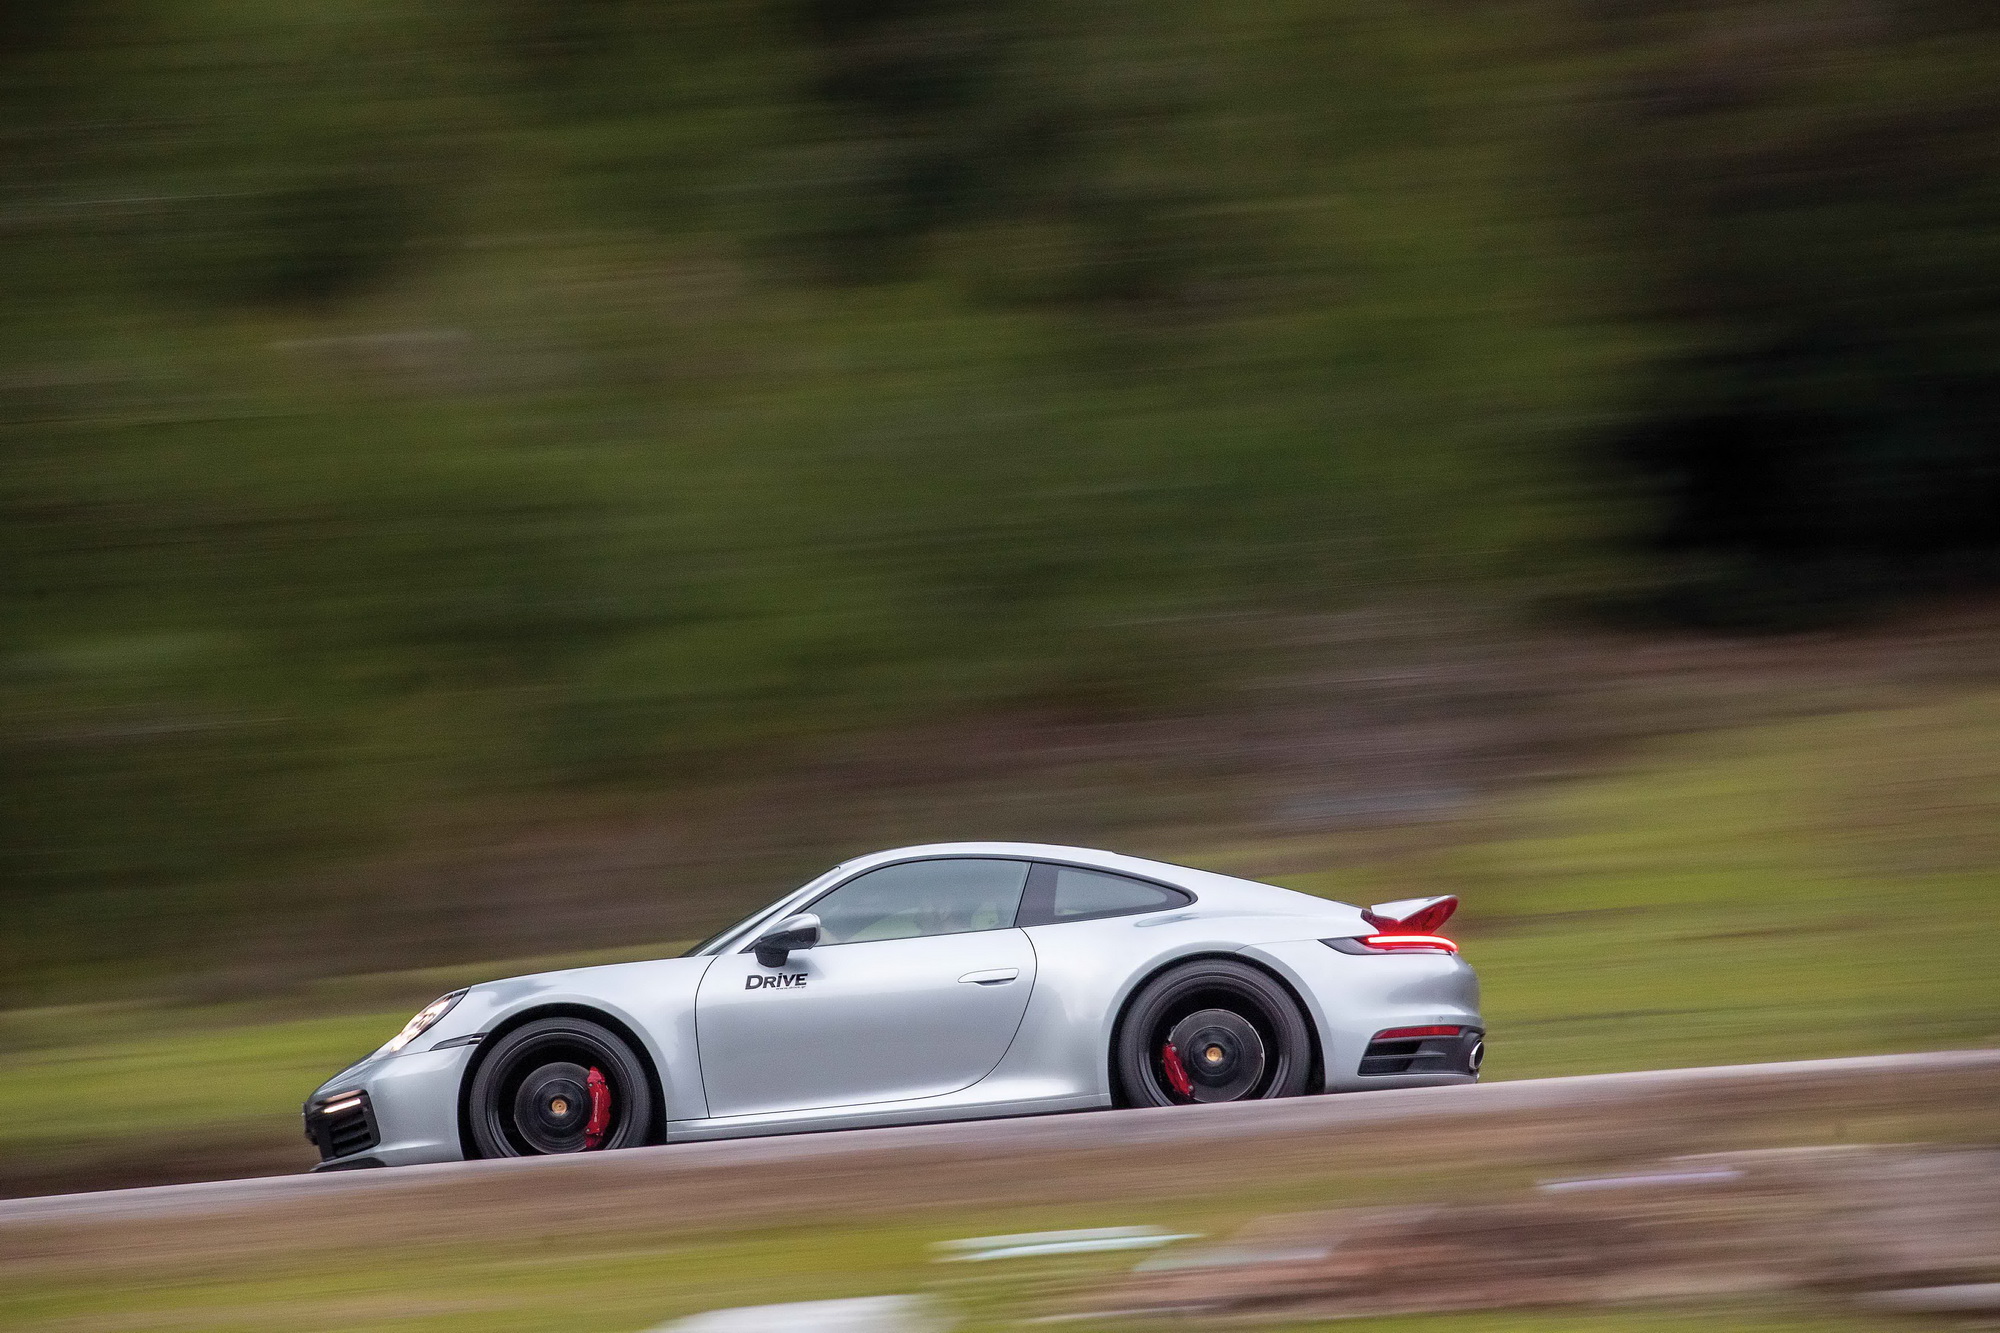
point(882, 1020)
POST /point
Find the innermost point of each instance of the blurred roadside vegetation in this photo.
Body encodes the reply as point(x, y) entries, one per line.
point(416, 410)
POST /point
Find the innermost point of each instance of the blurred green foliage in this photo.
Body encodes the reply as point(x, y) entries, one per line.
point(413, 405)
point(1820, 188)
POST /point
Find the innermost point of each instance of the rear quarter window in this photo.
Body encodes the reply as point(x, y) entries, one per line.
point(1076, 894)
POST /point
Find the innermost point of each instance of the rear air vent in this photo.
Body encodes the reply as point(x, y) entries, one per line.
point(1439, 1049)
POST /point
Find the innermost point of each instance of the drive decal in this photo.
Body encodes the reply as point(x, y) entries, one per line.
point(759, 980)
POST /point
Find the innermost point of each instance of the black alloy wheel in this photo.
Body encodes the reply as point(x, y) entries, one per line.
point(559, 1085)
point(1211, 1031)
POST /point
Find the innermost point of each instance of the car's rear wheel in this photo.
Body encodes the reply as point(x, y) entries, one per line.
point(1211, 1031)
point(559, 1085)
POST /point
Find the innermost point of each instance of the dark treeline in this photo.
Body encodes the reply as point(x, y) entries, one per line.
point(408, 407)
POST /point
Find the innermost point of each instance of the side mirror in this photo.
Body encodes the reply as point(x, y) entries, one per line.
point(794, 932)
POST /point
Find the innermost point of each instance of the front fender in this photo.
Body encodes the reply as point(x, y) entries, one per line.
point(654, 1001)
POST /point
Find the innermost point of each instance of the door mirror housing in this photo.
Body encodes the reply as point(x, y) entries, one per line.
point(794, 932)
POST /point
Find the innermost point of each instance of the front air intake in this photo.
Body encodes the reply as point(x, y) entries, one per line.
point(342, 1125)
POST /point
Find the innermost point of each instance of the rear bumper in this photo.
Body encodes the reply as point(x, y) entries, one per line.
point(1446, 1049)
point(412, 1101)
point(1353, 998)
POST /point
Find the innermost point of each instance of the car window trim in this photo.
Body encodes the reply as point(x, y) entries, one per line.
point(748, 927)
point(1038, 902)
point(807, 904)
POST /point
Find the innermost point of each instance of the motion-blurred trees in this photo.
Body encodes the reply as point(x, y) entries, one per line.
point(1815, 190)
point(403, 406)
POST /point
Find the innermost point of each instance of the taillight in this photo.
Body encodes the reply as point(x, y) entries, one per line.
point(1416, 943)
point(1392, 944)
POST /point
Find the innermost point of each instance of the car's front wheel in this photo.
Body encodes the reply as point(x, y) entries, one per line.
point(559, 1085)
point(1211, 1031)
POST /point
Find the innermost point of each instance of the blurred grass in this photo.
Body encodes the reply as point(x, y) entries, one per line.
point(1817, 888)
point(1824, 887)
point(628, 1283)
point(190, 1073)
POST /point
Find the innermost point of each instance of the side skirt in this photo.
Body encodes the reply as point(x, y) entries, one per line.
point(870, 1117)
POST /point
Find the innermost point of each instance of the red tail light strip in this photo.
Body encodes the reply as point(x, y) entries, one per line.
point(1393, 942)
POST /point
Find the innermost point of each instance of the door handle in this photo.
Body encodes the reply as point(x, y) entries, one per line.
point(998, 976)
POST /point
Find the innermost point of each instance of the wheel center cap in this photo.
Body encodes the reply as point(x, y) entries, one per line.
point(1221, 1053)
point(550, 1106)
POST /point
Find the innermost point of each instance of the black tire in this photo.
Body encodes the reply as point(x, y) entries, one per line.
point(1239, 1036)
point(531, 1096)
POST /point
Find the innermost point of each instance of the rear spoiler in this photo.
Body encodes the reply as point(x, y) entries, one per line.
point(1411, 916)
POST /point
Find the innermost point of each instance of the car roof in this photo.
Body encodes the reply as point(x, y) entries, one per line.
point(1187, 877)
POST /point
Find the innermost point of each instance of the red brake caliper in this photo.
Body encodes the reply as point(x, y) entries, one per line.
point(1176, 1071)
point(600, 1110)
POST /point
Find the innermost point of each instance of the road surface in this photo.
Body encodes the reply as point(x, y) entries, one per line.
point(1028, 1139)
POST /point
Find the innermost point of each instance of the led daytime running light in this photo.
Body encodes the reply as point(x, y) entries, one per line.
point(425, 1019)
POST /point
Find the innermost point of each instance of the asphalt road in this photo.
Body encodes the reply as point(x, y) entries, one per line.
point(1027, 1138)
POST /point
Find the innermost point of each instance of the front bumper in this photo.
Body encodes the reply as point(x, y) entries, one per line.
point(404, 1110)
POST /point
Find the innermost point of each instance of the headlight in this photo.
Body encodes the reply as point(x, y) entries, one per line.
point(425, 1019)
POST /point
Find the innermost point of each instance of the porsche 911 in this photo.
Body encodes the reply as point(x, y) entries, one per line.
point(945, 982)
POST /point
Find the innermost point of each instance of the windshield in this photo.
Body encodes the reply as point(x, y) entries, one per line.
point(799, 895)
point(723, 934)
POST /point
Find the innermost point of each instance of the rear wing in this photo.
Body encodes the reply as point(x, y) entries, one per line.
point(1411, 916)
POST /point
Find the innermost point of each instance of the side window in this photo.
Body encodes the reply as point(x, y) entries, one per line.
point(1082, 894)
point(948, 896)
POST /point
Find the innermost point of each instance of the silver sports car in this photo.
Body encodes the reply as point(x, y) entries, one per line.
point(946, 982)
